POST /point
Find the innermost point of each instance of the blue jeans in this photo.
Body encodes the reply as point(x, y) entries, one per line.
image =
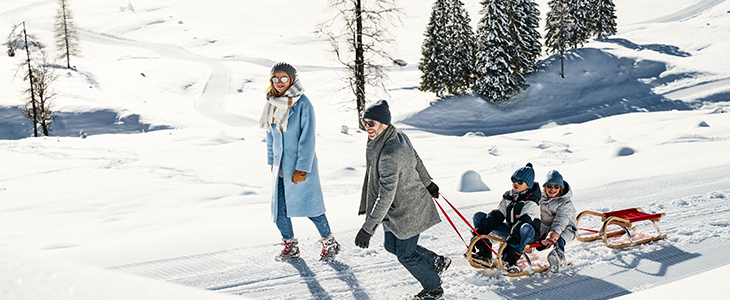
point(417, 260)
point(283, 222)
point(560, 245)
point(527, 233)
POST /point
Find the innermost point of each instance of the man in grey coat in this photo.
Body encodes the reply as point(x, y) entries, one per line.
point(397, 192)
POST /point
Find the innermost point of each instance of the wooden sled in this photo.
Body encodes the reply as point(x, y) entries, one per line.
point(625, 219)
point(499, 264)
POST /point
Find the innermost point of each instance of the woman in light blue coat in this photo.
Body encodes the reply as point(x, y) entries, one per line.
point(289, 121)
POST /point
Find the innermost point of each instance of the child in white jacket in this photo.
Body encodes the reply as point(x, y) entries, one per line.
point(557, 214)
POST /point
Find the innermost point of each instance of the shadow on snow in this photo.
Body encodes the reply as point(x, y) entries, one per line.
point(597, 84)
point(14, 126)
point(606, 282)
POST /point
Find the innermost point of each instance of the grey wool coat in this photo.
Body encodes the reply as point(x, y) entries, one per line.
point(558, 214)
point(394, 191)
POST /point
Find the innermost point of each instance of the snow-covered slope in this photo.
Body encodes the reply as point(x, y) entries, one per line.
point(171, 183)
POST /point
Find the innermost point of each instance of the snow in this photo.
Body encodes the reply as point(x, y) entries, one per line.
point(168, 195)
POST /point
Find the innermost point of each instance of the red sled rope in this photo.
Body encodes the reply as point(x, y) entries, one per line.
point(465, 221)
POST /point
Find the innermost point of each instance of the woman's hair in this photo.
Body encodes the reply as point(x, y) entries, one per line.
point(271, 90)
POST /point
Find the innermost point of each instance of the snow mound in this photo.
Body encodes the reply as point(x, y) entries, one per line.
point(623, 151)
point(470, 181)
point(703, 124)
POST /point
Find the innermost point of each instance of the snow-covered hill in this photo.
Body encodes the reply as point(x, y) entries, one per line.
point(171, 183)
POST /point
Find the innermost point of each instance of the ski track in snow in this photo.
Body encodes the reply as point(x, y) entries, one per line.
point(695, 222)
point(686, 13)
point(210, 103)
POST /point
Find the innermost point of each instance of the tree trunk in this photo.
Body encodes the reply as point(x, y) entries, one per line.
point(359, 64)
point(562, 68)
point(32, 82)
point(65, 38)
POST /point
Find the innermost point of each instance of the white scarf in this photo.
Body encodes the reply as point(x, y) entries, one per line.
point(276, 109)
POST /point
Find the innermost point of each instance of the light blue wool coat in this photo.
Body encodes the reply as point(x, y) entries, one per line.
point(292, 150)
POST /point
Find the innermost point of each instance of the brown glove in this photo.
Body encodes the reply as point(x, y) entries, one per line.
point(298, 176)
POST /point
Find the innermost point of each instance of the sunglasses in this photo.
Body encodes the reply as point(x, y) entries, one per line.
point(368, 123)
point(518, 181)
point(283, 79)
point(553, 186)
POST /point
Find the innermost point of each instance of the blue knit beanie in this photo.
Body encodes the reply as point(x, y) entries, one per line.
point(554, 177)
point(379, 111)
point(526, 173)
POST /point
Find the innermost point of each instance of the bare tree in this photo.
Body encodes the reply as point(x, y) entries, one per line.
point(17, 40)
point(38, 107)
point(360, 41)
point(66, 33)
point(31, 107)
point(12, 40)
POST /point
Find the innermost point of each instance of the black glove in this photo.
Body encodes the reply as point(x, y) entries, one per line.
point(484, 247)
point(510, 255)
point(513, 239)
point(433, 189)
point(362, 239)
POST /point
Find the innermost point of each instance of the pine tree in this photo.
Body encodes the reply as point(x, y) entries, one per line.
point(497, 61)
point(460, 52)
point(583, 25)
point(527, 20)
point(604, 15)
point(66, 33)
point(448, 50)
point(559, 26)
point(434, 51)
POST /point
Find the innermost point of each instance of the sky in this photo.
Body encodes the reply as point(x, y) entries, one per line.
point(166, 196)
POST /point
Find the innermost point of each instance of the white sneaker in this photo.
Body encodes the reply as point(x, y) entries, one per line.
point(510, 268)
point(555, 260)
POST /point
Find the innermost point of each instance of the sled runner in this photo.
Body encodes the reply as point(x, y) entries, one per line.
point(525, 263)
point(625, 220)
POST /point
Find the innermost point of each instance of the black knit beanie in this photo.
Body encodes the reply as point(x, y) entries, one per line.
point(286, 68)
point(379, 111)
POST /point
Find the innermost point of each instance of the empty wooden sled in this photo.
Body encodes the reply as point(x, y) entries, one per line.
point(524, 262)
point(624, 219)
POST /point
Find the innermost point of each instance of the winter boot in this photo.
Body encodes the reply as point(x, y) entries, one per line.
point(482, 253)
point(555, 258)
point(430, 295)
point(330, 248)
point(441, 264)
point(291, 250)
point(510, 257)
